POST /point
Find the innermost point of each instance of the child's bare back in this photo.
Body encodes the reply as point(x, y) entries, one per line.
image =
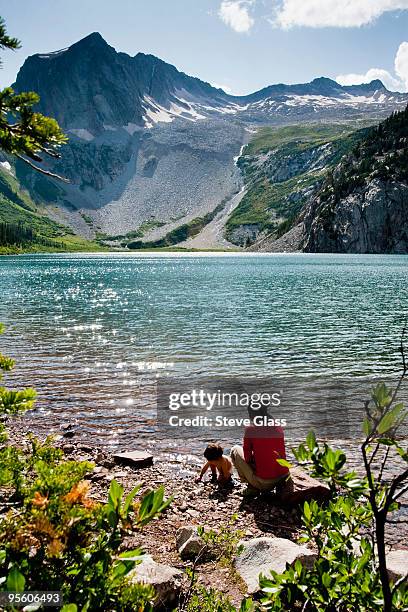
point(220, 466)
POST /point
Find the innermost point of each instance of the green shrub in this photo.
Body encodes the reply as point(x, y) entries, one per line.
point(223, 543)
point(211, 600)
point(350, 572)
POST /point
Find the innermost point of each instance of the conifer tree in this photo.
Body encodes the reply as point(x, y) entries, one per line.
point(24, 133)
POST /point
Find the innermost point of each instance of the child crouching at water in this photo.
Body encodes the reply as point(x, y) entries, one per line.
point(217, 462)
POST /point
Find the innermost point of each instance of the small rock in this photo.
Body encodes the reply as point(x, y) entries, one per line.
point(260, 555)
point(188, 542)
point(120, 474)
point(85, 449)
point(98, 469)
point(397, 564)
point(183, 534)
point(107, 463)
point(193, 513)
point(136, 459)
point(69, 434)
point(68, 448)
point(165, 580)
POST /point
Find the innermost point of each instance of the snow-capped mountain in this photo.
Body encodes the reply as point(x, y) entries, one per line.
point(152, 148)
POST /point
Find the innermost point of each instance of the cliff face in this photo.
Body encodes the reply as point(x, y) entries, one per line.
point(372, 220)
point(362, 206)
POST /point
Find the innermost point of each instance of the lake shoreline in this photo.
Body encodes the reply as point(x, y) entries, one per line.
point(194, 503)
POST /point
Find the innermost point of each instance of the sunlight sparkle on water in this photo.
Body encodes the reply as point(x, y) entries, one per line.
point(182, 315)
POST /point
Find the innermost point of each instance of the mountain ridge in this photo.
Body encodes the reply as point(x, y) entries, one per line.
point(152, 147)
point(96, 39)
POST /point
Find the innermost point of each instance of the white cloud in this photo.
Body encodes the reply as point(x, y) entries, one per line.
point(333, 13)
point(389, 81)
point(235, 14)
point(401, 63)
point(399, 82)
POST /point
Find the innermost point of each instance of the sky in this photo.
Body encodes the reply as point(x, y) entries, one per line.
point(240, 45)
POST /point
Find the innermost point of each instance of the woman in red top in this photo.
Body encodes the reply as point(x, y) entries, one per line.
point(256, 462)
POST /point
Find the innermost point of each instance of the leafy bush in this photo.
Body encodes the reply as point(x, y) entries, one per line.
point(223, 543)
point(12, 402)
point(211, 600)
point(350, 572)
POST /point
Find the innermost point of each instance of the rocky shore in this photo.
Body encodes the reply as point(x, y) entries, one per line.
point(195, 504)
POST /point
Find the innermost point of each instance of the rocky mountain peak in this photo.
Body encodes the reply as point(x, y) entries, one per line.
point(93, 39)
point(91, 48)
point(324, 84)
point(136, 124)
point(374, 85)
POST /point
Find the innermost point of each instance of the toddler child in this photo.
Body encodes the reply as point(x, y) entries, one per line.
point(218, 463)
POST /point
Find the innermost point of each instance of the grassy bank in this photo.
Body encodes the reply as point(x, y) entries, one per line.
point(18, 212)
point(67, 244)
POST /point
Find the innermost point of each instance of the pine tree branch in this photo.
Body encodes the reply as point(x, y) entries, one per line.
point(41, 170)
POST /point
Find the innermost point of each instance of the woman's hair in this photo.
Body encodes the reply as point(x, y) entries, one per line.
point(213, 451)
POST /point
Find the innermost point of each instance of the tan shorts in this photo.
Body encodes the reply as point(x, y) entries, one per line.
point(247, 474)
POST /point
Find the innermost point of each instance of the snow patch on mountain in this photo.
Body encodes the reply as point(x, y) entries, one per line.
point(156, 113)
point(52, 53)
point(82, 134)
point(6, 166)
point(131, 128)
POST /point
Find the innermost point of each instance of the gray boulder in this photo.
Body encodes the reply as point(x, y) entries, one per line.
point(397, 564)
point(135, 459)
point(261, 555)
point(165, 580)
point(303, 488)
point(188, 542)
point(183, 534)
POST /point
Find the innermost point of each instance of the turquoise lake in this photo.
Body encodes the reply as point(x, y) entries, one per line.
point(93, 332)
